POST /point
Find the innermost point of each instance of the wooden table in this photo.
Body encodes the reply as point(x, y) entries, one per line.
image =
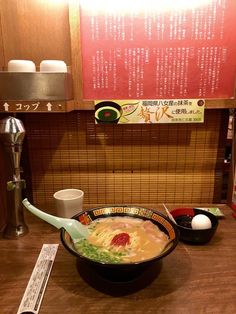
point(192, 279)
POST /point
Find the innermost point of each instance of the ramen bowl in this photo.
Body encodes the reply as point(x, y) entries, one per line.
point(123, 271)
point(183, 218)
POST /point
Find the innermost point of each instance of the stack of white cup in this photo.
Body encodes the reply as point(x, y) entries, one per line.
point(29, 66)
point(21, 66)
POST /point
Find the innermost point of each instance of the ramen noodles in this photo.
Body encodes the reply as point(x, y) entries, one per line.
point(122, 240)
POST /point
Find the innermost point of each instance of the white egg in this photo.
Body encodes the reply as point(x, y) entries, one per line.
point(201, 222)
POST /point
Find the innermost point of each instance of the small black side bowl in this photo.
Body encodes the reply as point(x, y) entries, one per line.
point(183, 217)
point(124, 270)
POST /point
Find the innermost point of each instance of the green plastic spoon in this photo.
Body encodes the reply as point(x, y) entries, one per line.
point(75, 229)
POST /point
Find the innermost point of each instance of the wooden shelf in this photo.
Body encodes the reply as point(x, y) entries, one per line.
point(220, 103)
point(36, 106)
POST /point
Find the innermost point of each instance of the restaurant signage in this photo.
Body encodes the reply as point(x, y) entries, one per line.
point(32, 106)
point(158, 49)
point(149, 111)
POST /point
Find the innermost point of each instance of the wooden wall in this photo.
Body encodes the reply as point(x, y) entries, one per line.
point(50, 29)
point(34, 30)
point(134, 164)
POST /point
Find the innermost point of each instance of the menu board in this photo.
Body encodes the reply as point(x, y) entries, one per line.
point(158, 49)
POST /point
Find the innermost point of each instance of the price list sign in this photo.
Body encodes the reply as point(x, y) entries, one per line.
point(146, 49)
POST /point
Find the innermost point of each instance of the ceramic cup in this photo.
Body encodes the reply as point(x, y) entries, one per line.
point(69, 202)
point(53, 66)
point(21, 66)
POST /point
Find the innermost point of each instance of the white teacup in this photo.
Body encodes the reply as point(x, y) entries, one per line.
point(53, 66)
point(21, 66)
point(69, 202)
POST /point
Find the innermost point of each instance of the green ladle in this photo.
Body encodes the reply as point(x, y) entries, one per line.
point(75, 229)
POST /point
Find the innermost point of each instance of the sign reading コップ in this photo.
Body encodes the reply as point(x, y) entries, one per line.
point(149, 111)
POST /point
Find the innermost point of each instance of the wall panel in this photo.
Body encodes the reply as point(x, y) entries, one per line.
point(1, 39)
point(35, 30)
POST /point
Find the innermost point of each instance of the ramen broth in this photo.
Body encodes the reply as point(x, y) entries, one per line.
point(122, 240)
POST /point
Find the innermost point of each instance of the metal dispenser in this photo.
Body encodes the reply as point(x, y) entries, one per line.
point(12, 134)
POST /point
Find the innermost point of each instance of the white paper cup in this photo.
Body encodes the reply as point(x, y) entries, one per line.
point(69, 202)
point(52, 66)
point(21, 66)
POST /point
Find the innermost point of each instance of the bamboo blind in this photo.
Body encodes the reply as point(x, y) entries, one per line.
point(125, 164)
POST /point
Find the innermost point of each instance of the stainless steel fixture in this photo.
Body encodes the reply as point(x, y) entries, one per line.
point(16, 86)
point(12, 134)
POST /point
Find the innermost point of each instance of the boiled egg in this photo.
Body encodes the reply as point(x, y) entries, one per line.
point(201, 222)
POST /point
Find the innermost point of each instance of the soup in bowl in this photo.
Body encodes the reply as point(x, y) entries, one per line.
point(123, 237)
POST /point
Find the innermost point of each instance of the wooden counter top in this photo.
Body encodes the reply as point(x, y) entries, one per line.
point(192, 279)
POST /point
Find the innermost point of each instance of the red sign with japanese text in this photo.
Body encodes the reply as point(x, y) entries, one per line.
point(158, 49)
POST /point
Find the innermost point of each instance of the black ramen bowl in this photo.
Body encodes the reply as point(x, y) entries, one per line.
point(183, 218)
point(107, 112)
point(123, 271)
